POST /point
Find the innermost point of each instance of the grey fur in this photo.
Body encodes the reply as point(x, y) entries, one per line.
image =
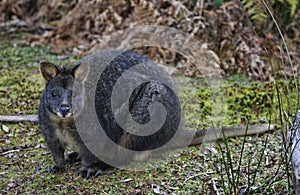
point(59, 108)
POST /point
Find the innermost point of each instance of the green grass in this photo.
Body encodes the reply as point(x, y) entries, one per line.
point(24, 157)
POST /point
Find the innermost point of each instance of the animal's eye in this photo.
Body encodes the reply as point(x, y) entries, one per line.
point(54, 93)
point(74, 94)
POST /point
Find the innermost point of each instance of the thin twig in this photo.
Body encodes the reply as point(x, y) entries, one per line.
point(19, 118)
point(199, 174)
point(8, 152)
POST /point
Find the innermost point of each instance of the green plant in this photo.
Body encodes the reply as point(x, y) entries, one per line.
point(255, 10)
point(292, 4)
point(233, 167)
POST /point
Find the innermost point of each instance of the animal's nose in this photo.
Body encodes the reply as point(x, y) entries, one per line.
point(64, 109)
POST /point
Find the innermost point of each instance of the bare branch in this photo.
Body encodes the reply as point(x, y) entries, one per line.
point(19, 118)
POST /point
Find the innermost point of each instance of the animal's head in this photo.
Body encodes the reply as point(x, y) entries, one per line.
point(64, 92)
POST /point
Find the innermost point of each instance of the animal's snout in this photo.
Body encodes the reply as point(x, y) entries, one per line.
point(65, 109)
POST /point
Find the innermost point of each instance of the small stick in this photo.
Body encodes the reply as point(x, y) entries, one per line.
point(8, 152)
point(19, 118)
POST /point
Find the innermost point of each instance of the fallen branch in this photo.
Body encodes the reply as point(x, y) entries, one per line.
point(295, 152)
point(19, 118)
point(9, 152)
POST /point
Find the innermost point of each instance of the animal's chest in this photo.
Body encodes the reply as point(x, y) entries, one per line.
point(67, 134)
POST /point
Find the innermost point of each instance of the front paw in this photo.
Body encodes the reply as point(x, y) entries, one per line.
point(91, 171)
point(56, 169)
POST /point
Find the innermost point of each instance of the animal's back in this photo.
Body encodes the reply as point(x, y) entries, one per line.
point(141, 83)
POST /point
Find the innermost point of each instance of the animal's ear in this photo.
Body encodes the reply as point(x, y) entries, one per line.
point(80, 71)
point(48, 70)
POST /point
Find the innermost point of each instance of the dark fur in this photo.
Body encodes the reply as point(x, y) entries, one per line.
point(62, 89)
point(61, 86)
point(63, 100)
point(139, 103)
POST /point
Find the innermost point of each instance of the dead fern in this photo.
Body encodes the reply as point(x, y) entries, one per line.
point(224, 32)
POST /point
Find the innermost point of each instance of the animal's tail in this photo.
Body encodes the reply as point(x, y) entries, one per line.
point(214, 134)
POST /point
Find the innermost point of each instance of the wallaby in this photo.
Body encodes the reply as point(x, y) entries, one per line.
point(63, 100)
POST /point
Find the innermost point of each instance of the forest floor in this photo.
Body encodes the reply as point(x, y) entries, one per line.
point(211, 168)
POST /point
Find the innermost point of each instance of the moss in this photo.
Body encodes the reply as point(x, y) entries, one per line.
point(189, 171)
